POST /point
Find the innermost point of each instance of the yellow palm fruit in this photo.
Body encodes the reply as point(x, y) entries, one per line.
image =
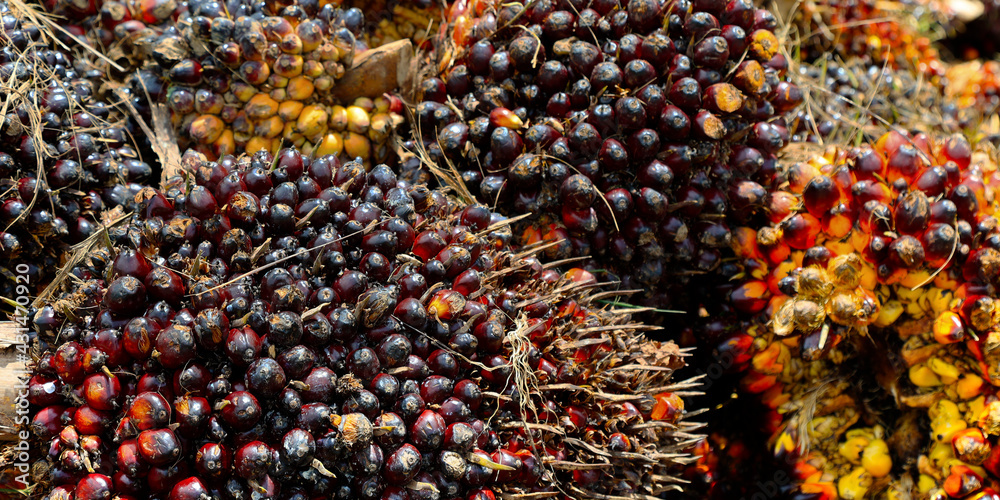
point(300, 88)
point(926, 483)
point(855, 484)
point(944, 431)
point(915, 278)
point(947, 372)
point(289, 110)
point(338, 118)
point(943, 410)
point(891, 311)
point(852, 448)
point(225, 144)
point(922, 376)
point(908, 295)
point(357, 146)
point(258, 143)
point(969, 386)
point(875, 458)
point(206, 129)
point(940, 453)
point(312, 122)
point(915, 310)
point(939, 299)
point(269, 128)
point(261, 106)
point(332, 144)
point(357, 119)
point(976, 406)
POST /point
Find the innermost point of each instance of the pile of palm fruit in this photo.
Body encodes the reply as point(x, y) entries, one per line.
point(493, 266)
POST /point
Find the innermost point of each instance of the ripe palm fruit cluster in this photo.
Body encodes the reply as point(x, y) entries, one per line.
point(874, 32)
point(249, 76)
point(66, 154)
point(883, 256)
point(628, 129)
point(319, 330)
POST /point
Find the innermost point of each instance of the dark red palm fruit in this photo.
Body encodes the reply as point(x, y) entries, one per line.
point(905, 162)
point(297, 361)
point(467, 283)
point(906, 251)
point(442, 362)
point(159, 447)
point(127, 459)
point(211, 328)
point(613, 155)
point(402, 465)
point(125, 294)
point(164, 284)
point(284, 329)
point(454, 410)
point(411, 312)
point(138, 337)
point(94, 487)
point(44, 390)
point(47, 423)
point(393, 350)
point(90, 421)
point(587, 477)
point(427, 431)
point(912, 213)
point(385, 387)
point(149, 410)
point(240, 410)
point(800, 231)
point(109, 341)
point(212, 461)
point(957, 149)
point(252, 460)
point(130, 262)
point(577, 192)
point(242, 346)
point(350, 285)
point(161, 479)
point(192, 413)
point(468, 391)
point(391, 430)
point(436, 388)
point(175, 346)
point(320, 385)
point(297, 447)
point(820, 195)
point(938, 241)
point(363, 363)
point(685, 94)
point(507, 459)
point(190, 489)
point(102, 392)
point(476, 474)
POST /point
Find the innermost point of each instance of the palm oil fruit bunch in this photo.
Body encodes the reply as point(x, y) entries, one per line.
point(628, 129)
point(66, 154)
point(316, 330)
point(893, 248)
point(874, 31)
point(244, 76)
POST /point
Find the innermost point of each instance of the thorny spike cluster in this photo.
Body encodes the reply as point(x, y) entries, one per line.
point(390, 345)
point(887, 253)
point(65, 155)
point(628, 128)
point(247, 76)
